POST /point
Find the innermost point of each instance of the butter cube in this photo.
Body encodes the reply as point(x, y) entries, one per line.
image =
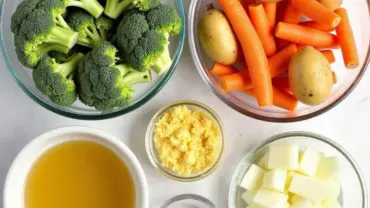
point(248, 197)
point(309, 161)
point(334, 187)
point(319, 205)
point(331, 203)
point(328, 168)
point(295, 199)
point(289, 178)
point(253, 178)
point(286, 205)
point(303, 203)
point(266, 198)
point(264, 161)
point(283, 156)
point(275, 179)
point(309, 188)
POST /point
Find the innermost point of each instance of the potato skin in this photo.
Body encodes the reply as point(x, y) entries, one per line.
point(331, 4)
point(217, 38)
point(310, 76)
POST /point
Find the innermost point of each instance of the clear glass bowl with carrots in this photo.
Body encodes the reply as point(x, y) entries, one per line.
point(259, 83)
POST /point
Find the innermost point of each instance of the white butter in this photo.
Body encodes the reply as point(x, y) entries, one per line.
point(303, 203)
point(286, 205)
point(331, 203)
point(334, 187)
point(266, 198)
point(309, 161)
point(248, 197)
point(264, 161)
point(295, 199)
point(252, 180)
point(289, 178)
point(275, 179)
point(283, 156)
point(309, 188)
point(328, 168)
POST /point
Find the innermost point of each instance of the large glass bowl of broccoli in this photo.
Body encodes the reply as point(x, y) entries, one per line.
point(92, 59)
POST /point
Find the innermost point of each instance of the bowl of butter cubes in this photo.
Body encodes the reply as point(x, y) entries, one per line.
point(298, 170)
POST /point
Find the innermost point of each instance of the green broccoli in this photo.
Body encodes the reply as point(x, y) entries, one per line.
point(141, 47)
point(22, 11)
point(55, 79)
point(103, 84)
point(83, 23)
point(40, 33)
point(164, 19)
point(91, 6)
point(104, 25)
point(114, 8)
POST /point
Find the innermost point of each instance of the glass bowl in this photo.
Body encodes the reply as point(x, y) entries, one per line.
point(188, 201)
point(347, 79)
point(23, 75)
point(353, 190)
point(152, 151)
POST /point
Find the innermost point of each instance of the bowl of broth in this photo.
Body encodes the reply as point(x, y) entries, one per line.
point(76, 167)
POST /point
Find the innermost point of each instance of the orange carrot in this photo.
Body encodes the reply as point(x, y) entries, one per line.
point(281, 99)
point(347, 40)
point(263, 28)
point(278, 64)
point(334, 77)
point(253, 50)
point(292, 15)
point(329, 55)
point(315, 25)
point(270, 9)
point(318, 12)
point(222, 70)
point(304, 35)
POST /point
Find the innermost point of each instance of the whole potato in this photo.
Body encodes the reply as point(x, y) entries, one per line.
point(310, 76)
point(217, 38)
point(331, 4)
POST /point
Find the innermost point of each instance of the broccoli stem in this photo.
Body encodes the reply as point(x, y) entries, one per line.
point(45, 48)
point(124, 69)
point(163, 63)
point(93, 33)
point(92, 6)
point(62, 36)
point(135, 77)
point(114, 8)
point(68, 68)
point(60, 21)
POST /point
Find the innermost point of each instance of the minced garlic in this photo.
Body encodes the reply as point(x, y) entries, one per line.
point(187, 141)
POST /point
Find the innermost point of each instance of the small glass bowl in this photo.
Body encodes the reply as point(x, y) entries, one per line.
point(152, 151)
point(188, 201)
point(353, 190)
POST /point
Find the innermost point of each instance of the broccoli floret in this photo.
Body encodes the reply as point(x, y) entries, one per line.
point(39, 34)
point(91, 6)
point(164, 19)
point(141, 47)
point(83, 23)
point(104, 25)
point(23, 10)
point(103, 84)
point(55, 79)
point(114, 8)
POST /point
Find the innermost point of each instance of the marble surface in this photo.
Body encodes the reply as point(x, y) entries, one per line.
point(21, 119)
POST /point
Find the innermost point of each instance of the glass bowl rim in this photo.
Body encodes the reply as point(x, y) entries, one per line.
point(307, 135)
point(201, 71)
point(156, 89)
point(149, 140)
point(194, 197)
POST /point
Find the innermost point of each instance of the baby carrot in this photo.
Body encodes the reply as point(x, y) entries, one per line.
point(254, 53)
point(292, 15)
point(222, 70)
point(329, 55)
point(263, 28)
point(315, 25)
point(318, 12)
point(278, 64)
point(270, 9)
point(304, 35)
point(347, 40)
point(281, 99)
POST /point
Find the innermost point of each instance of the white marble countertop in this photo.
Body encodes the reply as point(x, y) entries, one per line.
point(21, 119)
